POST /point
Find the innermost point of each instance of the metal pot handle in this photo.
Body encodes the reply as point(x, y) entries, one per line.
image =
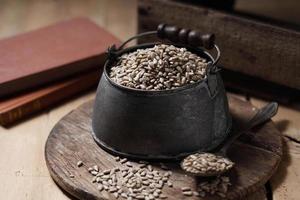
point(177, 35)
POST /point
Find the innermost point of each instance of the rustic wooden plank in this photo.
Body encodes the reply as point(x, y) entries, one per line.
point(285, 182)
point(248, 85)
point(250, 47)
point(284, 11)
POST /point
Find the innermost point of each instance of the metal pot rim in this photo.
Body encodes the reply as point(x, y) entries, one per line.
point(201, 83)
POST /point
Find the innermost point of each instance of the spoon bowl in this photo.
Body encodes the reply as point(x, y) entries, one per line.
point(220, 164)
point(206, 164)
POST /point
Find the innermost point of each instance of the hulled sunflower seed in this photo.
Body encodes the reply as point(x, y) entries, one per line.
point(184, 189)
point(96, 168)
point(124, 160)
point(187, 193)
point(94, 173)
point(79, 163)
point(100, 187)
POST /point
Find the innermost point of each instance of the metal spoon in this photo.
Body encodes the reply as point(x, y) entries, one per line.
point(264, 114)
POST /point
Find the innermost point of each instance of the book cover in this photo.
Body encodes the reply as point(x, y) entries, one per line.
point(17, 107)
point(51, 53)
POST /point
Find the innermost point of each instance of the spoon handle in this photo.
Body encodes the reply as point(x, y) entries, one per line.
point(264, 114)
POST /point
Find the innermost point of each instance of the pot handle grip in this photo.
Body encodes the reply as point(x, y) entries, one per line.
point(186, 36)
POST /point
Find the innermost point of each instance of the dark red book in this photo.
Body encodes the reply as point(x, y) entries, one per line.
point(15, 108)
point(51, 53)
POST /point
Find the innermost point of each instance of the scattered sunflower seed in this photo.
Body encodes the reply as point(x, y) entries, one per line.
point(184, 189)
point(162, 196)
point(100, 187)
point(79, 163)
point(187, 193)
point(128, 164)
point(94, 173)
point(170, 184)
point(96, 168)
point(124, 160)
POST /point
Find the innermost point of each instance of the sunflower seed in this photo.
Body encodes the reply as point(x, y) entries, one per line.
point(128, 164)
point(184, 189)
point(94, 173)
point(187, 193)
point(79, 163)
point(96, 168)
point(100, 187)
point(124, 160)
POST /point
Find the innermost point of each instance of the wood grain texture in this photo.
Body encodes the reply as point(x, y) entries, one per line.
point(258, 49)
point(70, 141)
point(23, 105)
point(23, 170)
point(285, 182)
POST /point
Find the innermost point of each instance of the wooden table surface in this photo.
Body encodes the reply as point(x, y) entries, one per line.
point(23, 172)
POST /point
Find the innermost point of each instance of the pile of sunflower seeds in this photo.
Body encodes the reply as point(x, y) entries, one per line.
point(206, 163)
point(129, 182)
point(159, 68)
point(142, 181)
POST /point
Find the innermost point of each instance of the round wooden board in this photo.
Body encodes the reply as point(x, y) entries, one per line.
point(256, 154)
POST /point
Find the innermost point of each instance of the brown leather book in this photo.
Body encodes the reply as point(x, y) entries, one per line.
point(15, 108)
point(51, 53)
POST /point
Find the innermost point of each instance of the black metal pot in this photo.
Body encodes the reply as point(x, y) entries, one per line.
point(165, 124)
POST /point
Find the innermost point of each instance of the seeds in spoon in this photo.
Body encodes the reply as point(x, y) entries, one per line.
point(206, 164)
